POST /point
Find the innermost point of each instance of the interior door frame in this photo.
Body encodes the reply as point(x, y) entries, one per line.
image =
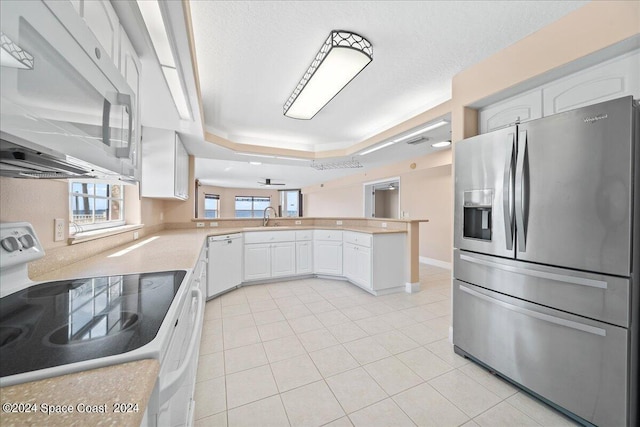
point(369, 198)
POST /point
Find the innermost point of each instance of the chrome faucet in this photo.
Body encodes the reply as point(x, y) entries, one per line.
point(265, 217)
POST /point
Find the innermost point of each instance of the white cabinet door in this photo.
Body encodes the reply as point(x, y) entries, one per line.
point(349, 261)
point(522, 108)
point(328, 257)
point(181, 170)
point(610, 80)
point(257, 261)
point(363, 266)
point(103, 21)
point(304, 257)
point(283, 259)
point(129, 63)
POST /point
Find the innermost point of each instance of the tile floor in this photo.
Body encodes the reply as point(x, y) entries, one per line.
point(319, 352)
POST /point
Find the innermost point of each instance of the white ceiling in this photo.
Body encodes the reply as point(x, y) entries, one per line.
point(251, 55)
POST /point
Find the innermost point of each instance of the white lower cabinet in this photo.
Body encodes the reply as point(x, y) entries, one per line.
point(327, 257)
point(283, 259)
point(375, 262)
point(257, 261)
point(304, 257)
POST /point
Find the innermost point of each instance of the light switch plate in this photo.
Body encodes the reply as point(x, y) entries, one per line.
point(213, 224)
point(384, 225)
point(338, 222)
point(58, 230)
point(136, 235)
point(298, 222)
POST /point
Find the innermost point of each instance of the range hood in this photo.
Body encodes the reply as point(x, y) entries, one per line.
point(22, 159)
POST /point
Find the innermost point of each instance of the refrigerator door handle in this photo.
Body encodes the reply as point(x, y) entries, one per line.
point(506, 193)
point(520, 196)
point(540, 316)
point(582, 281)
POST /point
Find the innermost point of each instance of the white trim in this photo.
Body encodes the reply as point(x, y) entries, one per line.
point(412, 288)
point(435, 262)
point(451, 334)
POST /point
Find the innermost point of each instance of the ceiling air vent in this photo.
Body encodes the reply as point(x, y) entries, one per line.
point(417, 140)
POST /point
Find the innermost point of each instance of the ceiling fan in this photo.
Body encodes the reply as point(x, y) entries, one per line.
point(267, 183)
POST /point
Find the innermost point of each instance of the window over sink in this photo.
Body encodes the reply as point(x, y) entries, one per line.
point(95, 205)
point(251, 206)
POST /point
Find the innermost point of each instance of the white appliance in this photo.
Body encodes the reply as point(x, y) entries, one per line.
point(225, 263)
point(66, 98)
point(89, 323)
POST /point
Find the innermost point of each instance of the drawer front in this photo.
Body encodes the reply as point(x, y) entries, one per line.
point(304, 235)
point(362, 239)
point(269, 236)
point(327, 235)
point(577, 363)
point(600, 297)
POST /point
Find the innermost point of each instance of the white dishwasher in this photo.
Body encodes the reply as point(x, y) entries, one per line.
point(225, 263)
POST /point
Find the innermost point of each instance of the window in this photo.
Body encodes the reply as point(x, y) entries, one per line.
point(211, 206)
point(290, 203)
point(95, 205)
point(251, 206)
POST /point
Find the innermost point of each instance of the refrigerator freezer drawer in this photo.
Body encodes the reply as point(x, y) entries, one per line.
point(597, 296)
point(579, 364)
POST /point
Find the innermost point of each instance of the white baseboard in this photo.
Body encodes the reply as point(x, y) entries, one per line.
point(435, 262)
point(412, 288)
point(451, 334)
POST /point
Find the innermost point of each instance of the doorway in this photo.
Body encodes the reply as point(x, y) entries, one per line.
point(382, 198)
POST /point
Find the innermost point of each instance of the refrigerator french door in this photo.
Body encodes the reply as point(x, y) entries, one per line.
point(544, 237)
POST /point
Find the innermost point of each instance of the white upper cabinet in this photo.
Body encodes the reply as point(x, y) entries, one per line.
point(522, 108)
point(608, 80)
point(165, 165)
point(105, 25)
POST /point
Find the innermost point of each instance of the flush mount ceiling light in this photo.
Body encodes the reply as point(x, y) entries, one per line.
point(441, 144)
point(342, 56)
point(12, 55)
point(153, 20)
point(345, 164)
point(420, 131)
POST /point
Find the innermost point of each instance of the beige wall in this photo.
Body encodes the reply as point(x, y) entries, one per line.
point(228, 198)
point(36, 201)
point(425, 193)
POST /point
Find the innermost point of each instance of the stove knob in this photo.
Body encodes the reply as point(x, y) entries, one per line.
point(27, 241)
point(10, 244)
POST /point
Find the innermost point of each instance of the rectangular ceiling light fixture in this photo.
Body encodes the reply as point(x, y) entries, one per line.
point(379, 147)
point(423, 130)
point(342, 56)
point(153, 20)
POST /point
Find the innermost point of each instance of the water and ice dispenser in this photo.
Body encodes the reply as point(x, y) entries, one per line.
point(477, 214)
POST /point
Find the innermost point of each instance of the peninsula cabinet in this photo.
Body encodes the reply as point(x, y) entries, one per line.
point(375, 262)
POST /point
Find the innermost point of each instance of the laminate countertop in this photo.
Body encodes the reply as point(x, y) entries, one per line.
point(110, 396)
point(127, 383)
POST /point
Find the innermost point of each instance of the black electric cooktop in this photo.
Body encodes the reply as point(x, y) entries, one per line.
point(67, 321)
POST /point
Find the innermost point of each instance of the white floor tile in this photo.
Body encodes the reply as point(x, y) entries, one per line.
point(490, 381)
point(242, 358)
point(424, 363)
point(294, 372)
point(268, 316)
point(267, 412)
point(333, 360)
point(504, 415)
point(395, 342)
point(381, 414)
point(249, 386)
point(426, 407)
point(469, 396)
point(304, 324)
point(317, 340)
point(346, 332)
point(210, 366)
point(210, 397)
point(366, 350)
point(537, 410)
point(355, 389)
point(392, 375)
point(272, 331)
point(283, 348)
point(311, 405)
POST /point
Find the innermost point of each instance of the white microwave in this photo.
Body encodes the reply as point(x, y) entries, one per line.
point(55, 90)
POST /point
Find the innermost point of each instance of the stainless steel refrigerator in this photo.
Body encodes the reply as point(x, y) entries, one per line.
point(546, 258)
